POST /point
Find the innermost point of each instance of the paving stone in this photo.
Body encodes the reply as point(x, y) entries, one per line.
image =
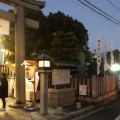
point(21, 117)
point(21, 114)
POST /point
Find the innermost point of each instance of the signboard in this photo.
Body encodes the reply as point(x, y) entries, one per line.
point(30, 85)
point(82, 89)
point(29, 73)
point(60, 76)
point(4, 27)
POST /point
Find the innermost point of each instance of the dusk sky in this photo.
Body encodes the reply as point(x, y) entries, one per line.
point(97, 25)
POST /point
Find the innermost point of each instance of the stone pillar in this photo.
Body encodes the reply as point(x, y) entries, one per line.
point(44, 91)
point(20, 54)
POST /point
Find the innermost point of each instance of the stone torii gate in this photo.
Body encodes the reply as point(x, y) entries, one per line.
point(19, 18)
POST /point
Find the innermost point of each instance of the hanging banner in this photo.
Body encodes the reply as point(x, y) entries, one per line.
point(4, 26)
point(111, 54)
point(106, 65)
point(98, 56)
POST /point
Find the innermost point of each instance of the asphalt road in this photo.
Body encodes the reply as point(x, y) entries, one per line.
point(109, 112)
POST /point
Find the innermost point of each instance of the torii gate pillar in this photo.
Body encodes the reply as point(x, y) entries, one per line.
point(20, 54)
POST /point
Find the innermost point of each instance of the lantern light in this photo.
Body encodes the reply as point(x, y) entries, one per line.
point(44, 63)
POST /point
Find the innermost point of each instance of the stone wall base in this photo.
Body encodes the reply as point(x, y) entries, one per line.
point(61, 97)
point(100, 100)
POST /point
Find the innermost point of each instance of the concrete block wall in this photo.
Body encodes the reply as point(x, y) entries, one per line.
point(61, 97)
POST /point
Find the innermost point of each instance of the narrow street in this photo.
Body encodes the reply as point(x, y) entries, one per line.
point(110, 112)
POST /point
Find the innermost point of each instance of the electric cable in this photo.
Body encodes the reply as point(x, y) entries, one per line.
point(113, 5)
point(101, 11)
point(107, 17)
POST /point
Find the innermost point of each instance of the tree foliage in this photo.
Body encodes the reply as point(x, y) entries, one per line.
point(35, 39)
point(60, 22)
point(65, 46)
point(92, 68)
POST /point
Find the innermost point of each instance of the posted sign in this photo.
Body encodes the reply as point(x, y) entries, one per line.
point(4, 26)
point(60, 76)
point(29, 73)
point(82, 89)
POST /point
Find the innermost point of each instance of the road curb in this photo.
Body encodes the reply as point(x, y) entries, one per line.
point(76, 113)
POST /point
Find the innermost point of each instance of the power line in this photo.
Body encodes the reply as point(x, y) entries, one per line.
point(95, 14)
point(113, 5)
point(85, 8)
point(101, 24)
point(98, 27)
point(108, 17)
point(101, 10)
point(82, 6)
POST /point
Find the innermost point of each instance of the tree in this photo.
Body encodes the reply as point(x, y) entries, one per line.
point(59, 22)
point(65, 46)
point(35, 39)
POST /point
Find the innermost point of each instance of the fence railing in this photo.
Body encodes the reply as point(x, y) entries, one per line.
point(4, 69)
point(96, 86)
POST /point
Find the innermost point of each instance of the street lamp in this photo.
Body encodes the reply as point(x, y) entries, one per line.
point(43, 61)
point(44, 65)
point(115, 67)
